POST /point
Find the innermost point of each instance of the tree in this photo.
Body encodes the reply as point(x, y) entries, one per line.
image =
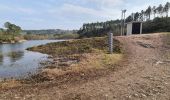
point(1, 30)
point(160, 9)
point(12, 28)
point(154, 10)
point(142, 15)
point(129, 19)
point(136, 16)
point(166, 8)
point(148, 12)
point(84, 27)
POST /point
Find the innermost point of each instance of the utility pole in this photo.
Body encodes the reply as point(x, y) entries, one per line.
point(123, 22)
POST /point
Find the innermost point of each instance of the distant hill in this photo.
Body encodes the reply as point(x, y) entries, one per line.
point(50, 31)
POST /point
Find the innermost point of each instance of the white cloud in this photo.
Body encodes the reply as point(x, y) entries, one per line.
point(76, 10)
point(26, 10)
point(35, 20)
point(108, 3)
point(5, 8)
point(69, 13)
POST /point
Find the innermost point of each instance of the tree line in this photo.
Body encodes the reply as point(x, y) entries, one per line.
point(145, 15)
point(156, 13)
point(99, 28)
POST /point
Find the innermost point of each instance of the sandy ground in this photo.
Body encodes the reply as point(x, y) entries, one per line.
point(143, 75)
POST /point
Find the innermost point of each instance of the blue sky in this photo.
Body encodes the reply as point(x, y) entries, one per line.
point(67, 14)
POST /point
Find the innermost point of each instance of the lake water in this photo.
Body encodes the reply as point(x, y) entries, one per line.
point(17, 62)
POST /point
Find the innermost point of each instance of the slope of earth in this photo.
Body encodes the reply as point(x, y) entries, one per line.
point(144, 75)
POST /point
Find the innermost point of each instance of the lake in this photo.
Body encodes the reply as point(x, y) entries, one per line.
point(16, 62)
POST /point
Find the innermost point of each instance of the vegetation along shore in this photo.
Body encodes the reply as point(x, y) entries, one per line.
point(73, 59)
point(77, 57)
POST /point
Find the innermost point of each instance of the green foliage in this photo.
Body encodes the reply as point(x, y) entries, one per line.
point(100, 29)
point(166, 8)
point(10, 33)
point(157, 25)
point(12, 28)
point(6, 38)
point(145, 15)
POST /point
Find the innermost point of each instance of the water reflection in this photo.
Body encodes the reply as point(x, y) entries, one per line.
point(1, 59)
point(11, 53)
point(17, 62)
point(15, 56)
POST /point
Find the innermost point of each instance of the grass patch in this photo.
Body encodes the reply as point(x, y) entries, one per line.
point(77, 47)
point(8, 38)
point(91, 63)
point(91, 55)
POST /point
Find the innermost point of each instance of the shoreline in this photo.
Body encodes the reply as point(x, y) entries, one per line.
point(13, 42)
point(73, 64)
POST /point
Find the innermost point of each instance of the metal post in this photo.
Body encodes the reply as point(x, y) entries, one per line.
point(141, 27)
point(110, 43)
point(122, 23)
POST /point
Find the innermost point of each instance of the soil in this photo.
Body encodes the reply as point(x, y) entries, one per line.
point(144, 74)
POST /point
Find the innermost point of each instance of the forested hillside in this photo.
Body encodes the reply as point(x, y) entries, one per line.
point(100, 29)
point(155, 19)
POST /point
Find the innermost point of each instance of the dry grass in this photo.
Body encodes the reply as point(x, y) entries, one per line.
point(91, 55)
point(79, 46)
point(9, 84)
point(90, 61)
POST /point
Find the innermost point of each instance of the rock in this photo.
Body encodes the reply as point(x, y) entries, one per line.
point(159, 62)
point(143, 95)
point(136, 95)
point(166, 83)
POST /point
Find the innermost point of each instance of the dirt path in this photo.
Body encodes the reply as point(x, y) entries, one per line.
point(145, 74)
